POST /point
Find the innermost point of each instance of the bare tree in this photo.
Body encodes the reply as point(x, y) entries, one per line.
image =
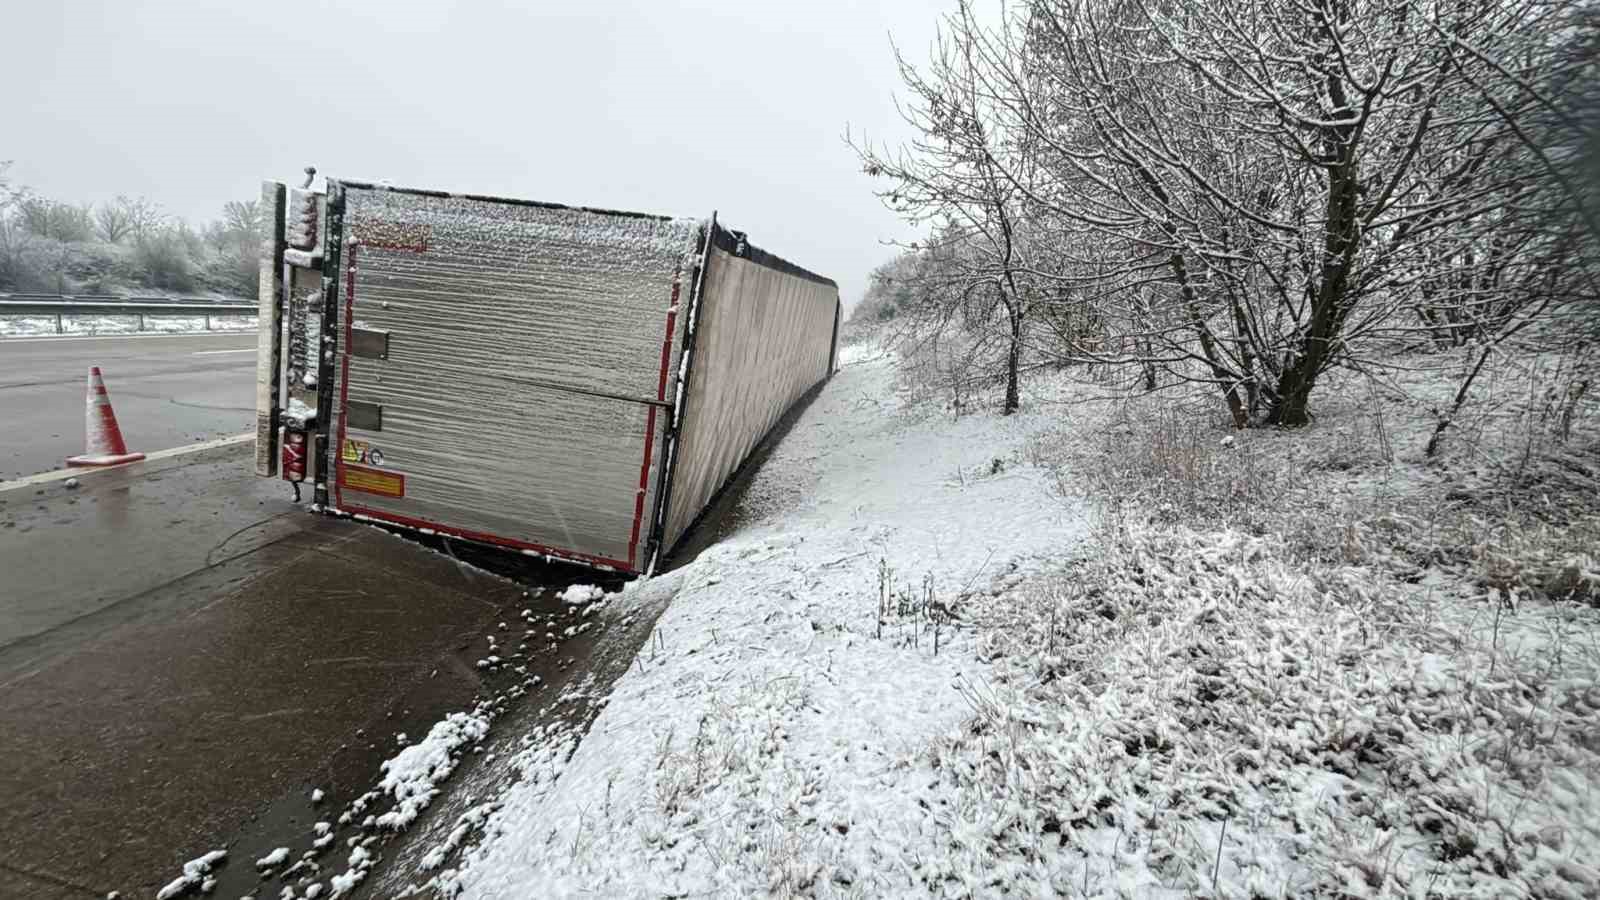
point(1244, 194)
point(892, 292)
point(13, 236)
point(45, 243)
point(241, 222)
point(127, 218)
point(165, 258)
point(960, 177)
point(55, 220)
point(112, 221)
point(144, 217)
point(234, 240)
point(1528, 275)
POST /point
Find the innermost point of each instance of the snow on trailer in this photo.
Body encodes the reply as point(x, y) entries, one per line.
point(568, 382)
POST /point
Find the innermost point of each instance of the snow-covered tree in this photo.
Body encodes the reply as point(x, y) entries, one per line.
point(125, 218)
point(962, 176)
point(1250, 194)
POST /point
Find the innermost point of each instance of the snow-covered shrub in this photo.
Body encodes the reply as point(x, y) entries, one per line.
point(230, 274)
point(1173, 464)
point(1298, 663)
point(164, 262)
point(1187, 713)
point(943, 370)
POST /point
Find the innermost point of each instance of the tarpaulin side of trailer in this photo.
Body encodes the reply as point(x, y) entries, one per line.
point(502, 368)
point(763, 336)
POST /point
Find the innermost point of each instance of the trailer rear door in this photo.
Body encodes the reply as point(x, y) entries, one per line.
point(501, 368)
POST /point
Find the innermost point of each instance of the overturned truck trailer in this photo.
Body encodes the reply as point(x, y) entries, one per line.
point(567, 382)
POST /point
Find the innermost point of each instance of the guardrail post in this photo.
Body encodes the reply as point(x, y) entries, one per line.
point(141, 321)
point(208, 322)
point(58, 323)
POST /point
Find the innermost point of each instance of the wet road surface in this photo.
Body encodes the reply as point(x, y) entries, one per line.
point(185, 655)
point(168, 391)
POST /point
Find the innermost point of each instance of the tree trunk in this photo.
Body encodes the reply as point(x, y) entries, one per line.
point(1013, 357)
point(1455, 407)
point(1294, 400)
point(1341, 237)
point(1225, 380)
point(1331, 303)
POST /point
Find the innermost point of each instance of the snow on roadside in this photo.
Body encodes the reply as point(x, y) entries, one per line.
point(767, 728)
point(579, 594)
point(411, 779)
point(273, 859)
point(411, 775)
point(196, 873)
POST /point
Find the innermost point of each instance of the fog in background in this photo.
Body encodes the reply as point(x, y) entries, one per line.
point(676, 107)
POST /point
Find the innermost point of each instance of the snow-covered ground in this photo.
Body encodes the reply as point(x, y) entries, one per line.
point(769, 733)
point(1092, 650)
point(40, 326)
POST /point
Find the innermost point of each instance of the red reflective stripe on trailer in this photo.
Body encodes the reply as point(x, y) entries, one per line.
point(650, 424)
point(666, 346)
point(644, 481)
point(485, 538)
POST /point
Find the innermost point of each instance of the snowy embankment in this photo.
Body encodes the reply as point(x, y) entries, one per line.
point(1276, 665)
point(765, 733)
point(44, 326)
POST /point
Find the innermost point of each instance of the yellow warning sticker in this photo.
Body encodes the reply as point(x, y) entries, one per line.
point(354, 451)
point(373, 481)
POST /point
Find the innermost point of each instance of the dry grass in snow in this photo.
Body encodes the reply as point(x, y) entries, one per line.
point(1354, 737)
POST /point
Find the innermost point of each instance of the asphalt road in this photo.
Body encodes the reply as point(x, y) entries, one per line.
point(185, 654)
point(168, 391)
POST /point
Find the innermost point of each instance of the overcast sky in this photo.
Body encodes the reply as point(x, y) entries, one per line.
point(665, 106)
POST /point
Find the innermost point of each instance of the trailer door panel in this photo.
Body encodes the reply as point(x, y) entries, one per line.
point(501, 370)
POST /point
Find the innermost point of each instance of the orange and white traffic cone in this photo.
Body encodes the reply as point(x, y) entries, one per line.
point(102, 440)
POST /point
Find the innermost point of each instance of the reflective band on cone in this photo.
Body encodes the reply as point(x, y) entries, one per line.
point(102, 439)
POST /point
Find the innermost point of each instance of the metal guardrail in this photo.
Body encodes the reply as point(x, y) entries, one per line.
point(60, 306)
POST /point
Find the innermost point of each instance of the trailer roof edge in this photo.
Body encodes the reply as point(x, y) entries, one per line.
point(725, 240)
point(514, 201)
